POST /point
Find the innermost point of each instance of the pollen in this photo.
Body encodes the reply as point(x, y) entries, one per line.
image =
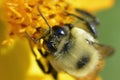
point(22, 15)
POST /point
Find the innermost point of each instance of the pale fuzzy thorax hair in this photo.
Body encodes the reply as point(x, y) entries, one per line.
point(81, 37)
point(80, 47)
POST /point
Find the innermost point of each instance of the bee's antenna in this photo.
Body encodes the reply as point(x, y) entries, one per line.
point(49, 30)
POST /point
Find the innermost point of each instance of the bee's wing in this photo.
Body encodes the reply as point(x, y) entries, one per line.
point(104, 50)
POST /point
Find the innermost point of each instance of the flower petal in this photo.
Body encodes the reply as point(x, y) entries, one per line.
point(92, 5)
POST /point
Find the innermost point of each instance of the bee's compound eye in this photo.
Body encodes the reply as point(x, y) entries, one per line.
point(83, 61)
point(59, 31)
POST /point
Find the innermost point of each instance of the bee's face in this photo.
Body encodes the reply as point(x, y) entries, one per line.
point(57, 39)
point(71, 50)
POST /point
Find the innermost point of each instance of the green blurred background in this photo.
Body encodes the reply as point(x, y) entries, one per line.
point(109, 33)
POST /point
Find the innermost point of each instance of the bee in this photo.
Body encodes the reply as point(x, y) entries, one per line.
point(70, 48)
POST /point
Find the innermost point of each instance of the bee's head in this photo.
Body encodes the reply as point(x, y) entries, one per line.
point(57, 38)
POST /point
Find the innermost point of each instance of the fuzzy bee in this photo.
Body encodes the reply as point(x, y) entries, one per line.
point(70, 48)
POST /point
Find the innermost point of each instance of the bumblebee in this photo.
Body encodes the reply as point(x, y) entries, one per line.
point(70, 48)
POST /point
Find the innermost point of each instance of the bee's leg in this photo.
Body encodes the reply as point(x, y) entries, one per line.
point(54, 74)
point(50, 68)
point(91, 19)
point(42, 67)
point(39, 62)
point(90, 25)
point(42, 53)
point(36, 57)
point(95, 20)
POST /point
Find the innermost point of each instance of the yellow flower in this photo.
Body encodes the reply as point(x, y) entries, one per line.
point(18, 16)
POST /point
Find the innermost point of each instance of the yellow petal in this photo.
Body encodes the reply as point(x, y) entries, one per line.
point(92, 5)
